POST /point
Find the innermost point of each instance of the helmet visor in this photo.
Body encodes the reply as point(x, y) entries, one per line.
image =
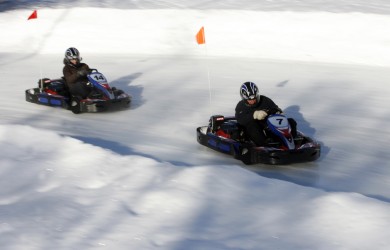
point(252, 97)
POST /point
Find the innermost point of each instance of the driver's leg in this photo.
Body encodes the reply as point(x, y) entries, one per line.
point(255, 131)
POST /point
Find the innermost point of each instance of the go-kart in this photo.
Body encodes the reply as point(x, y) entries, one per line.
point(225, 135)
point(54, 92)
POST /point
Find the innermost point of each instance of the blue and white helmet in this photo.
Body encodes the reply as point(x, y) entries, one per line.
point(249, 91)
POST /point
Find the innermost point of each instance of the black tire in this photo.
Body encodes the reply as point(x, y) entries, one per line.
point(117, 92)
point(75, 105)
point(32, 95)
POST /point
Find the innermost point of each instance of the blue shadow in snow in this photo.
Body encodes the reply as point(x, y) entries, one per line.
point(122, 149)
point(135, 92)
point(305, 127)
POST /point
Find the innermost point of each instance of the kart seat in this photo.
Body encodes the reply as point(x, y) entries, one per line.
point(226, 127)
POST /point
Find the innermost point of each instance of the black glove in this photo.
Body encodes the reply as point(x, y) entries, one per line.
point(273, 111)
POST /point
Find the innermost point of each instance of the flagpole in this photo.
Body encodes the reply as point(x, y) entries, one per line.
point(34, 15)
point(201, 39)
point(208, 70)
point(40, 77)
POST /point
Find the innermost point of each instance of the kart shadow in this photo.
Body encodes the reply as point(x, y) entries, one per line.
point(124, 83)
point(305, 127)
point(120, 148)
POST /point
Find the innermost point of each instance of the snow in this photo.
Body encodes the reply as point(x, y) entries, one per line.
point(137, 179)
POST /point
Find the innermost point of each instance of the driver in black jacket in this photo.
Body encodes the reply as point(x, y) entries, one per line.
point(252, 110)
point(75, 74)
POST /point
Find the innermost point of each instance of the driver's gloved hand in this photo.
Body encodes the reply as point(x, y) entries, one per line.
point(259, 115)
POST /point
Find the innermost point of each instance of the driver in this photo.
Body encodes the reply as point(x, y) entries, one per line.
point(252, 110)
point(75, 74)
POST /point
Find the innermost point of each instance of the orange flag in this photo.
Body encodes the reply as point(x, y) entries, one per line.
point(200, 37)
point(34, 15)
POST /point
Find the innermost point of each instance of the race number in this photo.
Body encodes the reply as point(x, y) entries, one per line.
point(278, 121)
point(98, 77)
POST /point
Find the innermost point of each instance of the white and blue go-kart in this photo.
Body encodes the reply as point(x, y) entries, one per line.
point(225, 135)
point(103, 97)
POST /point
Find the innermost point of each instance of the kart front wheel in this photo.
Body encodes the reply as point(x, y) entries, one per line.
point(75, 105)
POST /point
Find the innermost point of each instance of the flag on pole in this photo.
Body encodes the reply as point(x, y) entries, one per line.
point(200, 37)
point(34, 15)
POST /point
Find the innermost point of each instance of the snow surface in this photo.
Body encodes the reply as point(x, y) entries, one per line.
point(137, 179)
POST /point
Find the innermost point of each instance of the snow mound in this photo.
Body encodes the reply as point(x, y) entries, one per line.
point(59, 191)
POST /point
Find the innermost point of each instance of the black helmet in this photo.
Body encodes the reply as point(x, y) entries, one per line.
point(72, 53)
point(249, 91)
